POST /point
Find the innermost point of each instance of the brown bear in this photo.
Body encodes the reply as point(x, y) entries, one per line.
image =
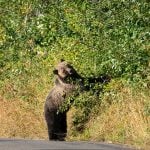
point(65, 83)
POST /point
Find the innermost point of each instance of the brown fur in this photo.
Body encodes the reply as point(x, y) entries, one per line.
point(65, 84)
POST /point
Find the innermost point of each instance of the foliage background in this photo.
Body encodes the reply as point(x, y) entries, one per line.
point(97, 37)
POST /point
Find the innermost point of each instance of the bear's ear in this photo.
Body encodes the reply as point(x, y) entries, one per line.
point(61, 60)
point(55, 71)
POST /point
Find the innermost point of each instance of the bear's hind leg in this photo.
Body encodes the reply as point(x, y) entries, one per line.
point(60, 126)
point(49, 117)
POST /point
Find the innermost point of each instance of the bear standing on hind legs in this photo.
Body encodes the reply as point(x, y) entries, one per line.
point(67, 81)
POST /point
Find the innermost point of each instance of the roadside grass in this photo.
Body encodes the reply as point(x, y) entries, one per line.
point(19, 120)
point(21, 104)
point(122, 118)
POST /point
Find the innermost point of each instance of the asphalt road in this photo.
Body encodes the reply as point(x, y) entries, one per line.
point(21, 144)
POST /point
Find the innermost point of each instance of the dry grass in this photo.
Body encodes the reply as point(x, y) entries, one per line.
point(121, 119)
point(17, 119)
point(123, 122)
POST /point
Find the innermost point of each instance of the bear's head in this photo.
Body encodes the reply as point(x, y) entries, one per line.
point(65, 71)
